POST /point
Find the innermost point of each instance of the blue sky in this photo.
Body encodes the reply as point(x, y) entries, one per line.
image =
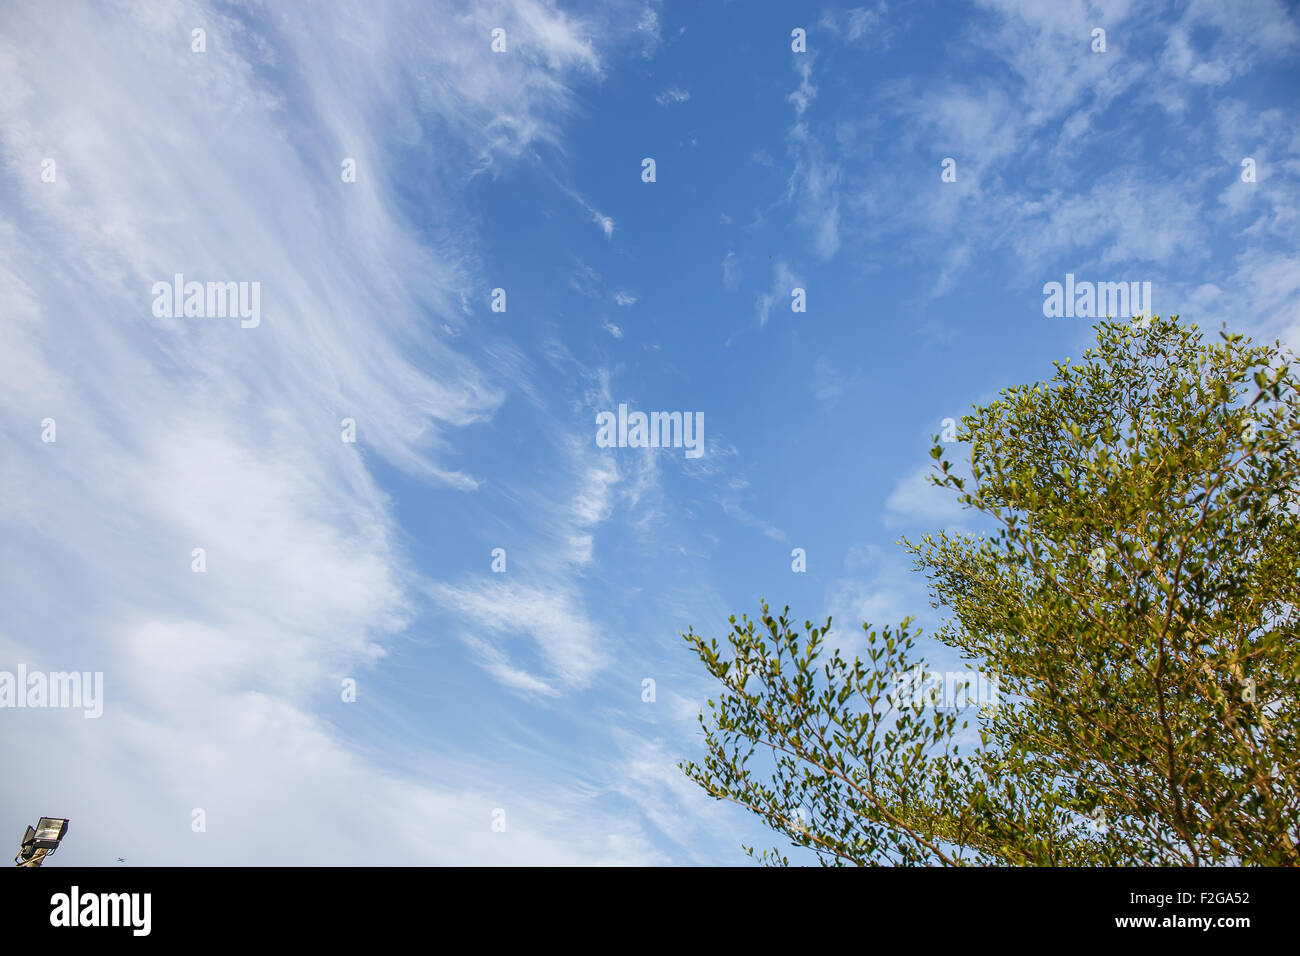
point(329, 560)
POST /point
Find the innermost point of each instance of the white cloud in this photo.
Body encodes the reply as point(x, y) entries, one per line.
point(649, 29)
point(592, 503)
point(674, 94)
point(915, 500)
point(865, 22)
point(585, 281)
point(784, 281)
point(180, 434)
point(813, 184)
point(731, 272)
point(565, 640)
point(651, 780)
point(730, 499)
point(827, 384)
point(806, 92)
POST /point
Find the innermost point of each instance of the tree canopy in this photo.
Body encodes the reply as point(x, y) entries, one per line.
point(1136, 594)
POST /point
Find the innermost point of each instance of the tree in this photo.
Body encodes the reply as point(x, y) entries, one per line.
point(1137, 595)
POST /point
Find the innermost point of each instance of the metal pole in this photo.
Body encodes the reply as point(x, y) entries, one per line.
point(37, 857)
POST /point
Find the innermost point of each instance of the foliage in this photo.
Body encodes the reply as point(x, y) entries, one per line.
point(1138, 597)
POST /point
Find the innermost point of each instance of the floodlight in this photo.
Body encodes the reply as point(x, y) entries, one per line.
point(26, 848)
point(49, 831)
point(41, 840)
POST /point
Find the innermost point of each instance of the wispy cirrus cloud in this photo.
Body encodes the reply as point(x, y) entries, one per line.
point(784, 282)
point(183, 434)
point(563, 638)
point(672, 95)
